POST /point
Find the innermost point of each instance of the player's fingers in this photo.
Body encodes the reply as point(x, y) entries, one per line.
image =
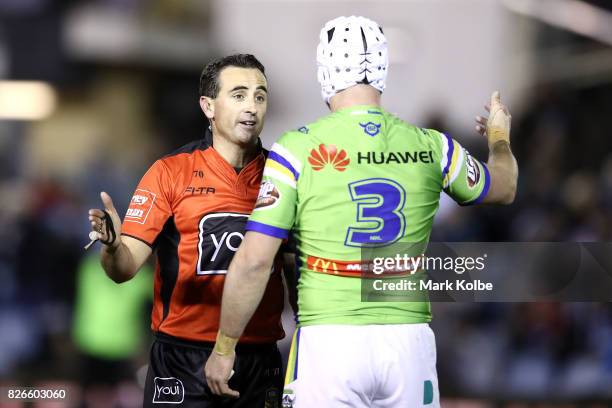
point(212, 384)
point(481, 120)
point(487, 107)
point(214, 381)
point(506, 111)
point(495, 98)
point(481, 126)
point(228, 392)
point(107, 201)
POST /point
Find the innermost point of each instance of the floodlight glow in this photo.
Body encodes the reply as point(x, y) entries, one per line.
point(26, 100)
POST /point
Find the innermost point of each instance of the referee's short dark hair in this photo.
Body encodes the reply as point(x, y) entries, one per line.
point(209, 79)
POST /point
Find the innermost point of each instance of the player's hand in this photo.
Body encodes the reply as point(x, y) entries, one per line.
point(496, 126)
point(218, 371)
point(106, 223)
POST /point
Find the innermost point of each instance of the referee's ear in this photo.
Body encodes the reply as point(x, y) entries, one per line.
point(208, 107)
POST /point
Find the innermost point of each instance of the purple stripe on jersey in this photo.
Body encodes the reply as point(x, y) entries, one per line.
point(266, 229)
point(485, 190)
point(282, 161)
point(449, 155)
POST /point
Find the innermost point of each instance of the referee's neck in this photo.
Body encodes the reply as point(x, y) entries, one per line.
point(234, 153)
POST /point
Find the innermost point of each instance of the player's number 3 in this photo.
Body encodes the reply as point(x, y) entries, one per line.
point(379, 203)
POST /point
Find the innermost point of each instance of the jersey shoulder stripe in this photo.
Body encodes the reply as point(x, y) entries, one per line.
point(283, 156)
point(448, 148)
point(270, 171)
point(281, 164)
point(455, 164)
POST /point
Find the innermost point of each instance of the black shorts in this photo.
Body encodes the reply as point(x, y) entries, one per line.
point(176, 376)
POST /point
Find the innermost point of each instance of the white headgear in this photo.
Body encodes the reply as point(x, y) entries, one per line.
point(352, 50)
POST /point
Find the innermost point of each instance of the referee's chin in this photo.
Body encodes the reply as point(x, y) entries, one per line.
point(245, 137)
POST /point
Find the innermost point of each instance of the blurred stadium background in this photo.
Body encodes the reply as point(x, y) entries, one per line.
point(92, 92)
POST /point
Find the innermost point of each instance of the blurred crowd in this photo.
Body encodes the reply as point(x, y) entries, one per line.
point(537, 351)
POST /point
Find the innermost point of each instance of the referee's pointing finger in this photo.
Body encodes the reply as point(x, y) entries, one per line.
point(107, 201)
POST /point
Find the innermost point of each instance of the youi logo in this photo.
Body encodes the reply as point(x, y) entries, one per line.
point(168, 390)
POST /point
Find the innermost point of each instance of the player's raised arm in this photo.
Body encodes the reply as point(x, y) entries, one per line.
point(502, 165)
point(121, 256)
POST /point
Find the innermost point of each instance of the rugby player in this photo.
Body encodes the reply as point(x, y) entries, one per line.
point(191, 207)
point(357, 178)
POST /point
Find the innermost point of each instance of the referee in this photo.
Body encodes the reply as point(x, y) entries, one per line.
point(190, 208)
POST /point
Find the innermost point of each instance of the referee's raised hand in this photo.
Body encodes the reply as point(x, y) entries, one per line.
point(106, 223)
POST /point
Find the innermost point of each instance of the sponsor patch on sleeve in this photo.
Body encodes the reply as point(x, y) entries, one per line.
point(268, 197)
point(473, 171)
point(140, 206)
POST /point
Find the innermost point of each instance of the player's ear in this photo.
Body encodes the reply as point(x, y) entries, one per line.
point(207, 106)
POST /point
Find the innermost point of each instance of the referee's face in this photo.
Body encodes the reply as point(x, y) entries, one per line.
point(239, 109)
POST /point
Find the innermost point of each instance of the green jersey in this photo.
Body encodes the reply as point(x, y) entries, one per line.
point(358, 178)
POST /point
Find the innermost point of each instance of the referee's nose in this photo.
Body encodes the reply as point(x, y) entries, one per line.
point(251, 108)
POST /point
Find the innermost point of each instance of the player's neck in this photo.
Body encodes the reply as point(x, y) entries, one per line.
point(355, 96)
point(236, 155)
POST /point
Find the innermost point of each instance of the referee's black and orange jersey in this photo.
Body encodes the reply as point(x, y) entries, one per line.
point(191, 207)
